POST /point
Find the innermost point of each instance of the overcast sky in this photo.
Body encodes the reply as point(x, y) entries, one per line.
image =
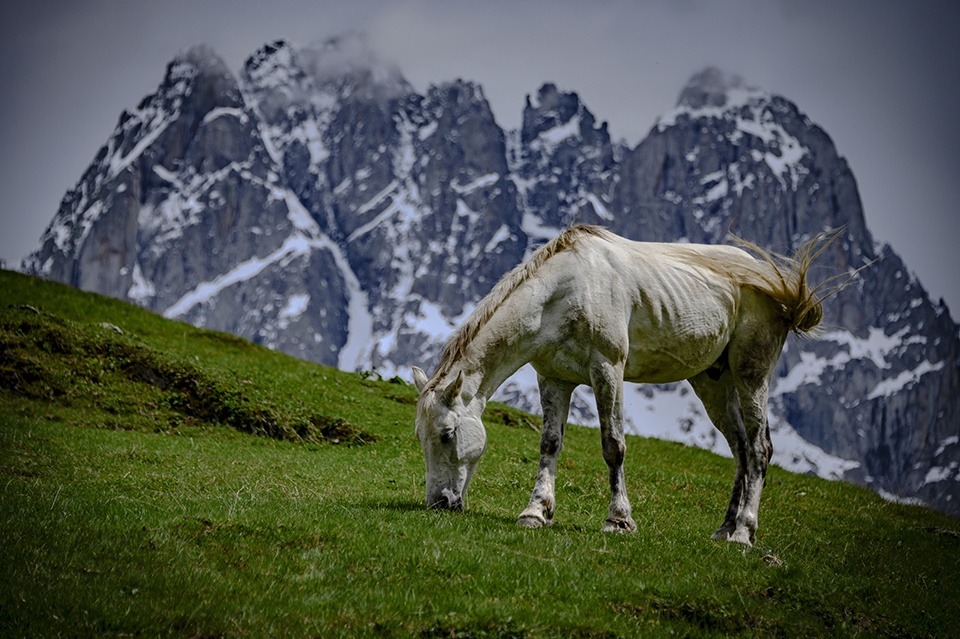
point(881, 77)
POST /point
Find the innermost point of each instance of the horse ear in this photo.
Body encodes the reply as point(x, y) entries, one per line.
point(449, 394)
point(419, 379)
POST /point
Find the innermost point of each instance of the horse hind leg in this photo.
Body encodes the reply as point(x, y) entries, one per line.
point(758, 451)
point(607, 382)
point(719, 396)
point(753, 355)
point(555, 401)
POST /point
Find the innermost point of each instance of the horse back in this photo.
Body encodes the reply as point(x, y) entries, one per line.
point(659, 308)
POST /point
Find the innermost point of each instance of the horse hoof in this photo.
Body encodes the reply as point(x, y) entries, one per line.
point(741, 536)
point(532, 521)
point(619, 526)
point(723, 534)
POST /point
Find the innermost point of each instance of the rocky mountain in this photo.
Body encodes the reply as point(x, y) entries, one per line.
point(878, 388)
point(317, 204)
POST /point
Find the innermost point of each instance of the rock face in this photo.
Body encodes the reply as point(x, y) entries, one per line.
point(318, 205)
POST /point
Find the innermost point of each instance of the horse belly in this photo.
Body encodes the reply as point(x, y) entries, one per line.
point(675, 341)
point(669, 363)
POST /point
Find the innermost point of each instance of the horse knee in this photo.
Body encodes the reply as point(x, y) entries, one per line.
point(767, 445)
point(551, 442)
point(760, 453)
point(614, 450)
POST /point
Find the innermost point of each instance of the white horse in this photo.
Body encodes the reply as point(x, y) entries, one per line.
point(593, 308)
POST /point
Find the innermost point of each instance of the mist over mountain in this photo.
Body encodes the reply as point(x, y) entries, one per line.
point(317, 204)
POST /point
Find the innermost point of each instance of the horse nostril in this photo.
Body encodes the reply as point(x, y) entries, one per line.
point(439, 502)
point(442, 502)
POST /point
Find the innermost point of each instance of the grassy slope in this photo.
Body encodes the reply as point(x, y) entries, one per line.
point(127, 508)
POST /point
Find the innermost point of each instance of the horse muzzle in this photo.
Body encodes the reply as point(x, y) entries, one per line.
point(446, 500)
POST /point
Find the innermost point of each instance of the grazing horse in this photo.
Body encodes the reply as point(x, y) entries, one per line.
point(593, 308)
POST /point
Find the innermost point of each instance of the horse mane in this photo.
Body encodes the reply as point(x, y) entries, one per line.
point(456, 346)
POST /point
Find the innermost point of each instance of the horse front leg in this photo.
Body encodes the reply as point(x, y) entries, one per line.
point(607, 380)
point(555, 401)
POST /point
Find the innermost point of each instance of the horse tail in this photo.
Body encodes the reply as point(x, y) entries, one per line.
point(801, 305)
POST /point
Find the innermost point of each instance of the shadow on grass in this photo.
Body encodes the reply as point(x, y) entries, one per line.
point(406, 505)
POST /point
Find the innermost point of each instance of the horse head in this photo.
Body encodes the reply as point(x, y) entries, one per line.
point(452, 437)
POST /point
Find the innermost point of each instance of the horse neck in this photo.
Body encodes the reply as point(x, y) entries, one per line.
point(497, 351)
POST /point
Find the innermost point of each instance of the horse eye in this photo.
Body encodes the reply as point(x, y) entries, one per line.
point(446, 436)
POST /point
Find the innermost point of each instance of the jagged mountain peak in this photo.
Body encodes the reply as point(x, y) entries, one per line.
point(341, 68)
point(201, 56)
point(712, 93)
point(350, 63)
point(563, 162)
point(455, 99)
point(713, 87)
point(198, 64)
point(550, 98)
point(271, 51)
point(553, 109)
point(197, 77)
point(781, 141)
point(554, 112)
point(271, 65)
point(458, 91)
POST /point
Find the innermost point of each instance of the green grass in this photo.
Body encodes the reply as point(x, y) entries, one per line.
point(217, 506)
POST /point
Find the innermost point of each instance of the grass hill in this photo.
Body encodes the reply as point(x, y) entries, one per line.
point(162, 480)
